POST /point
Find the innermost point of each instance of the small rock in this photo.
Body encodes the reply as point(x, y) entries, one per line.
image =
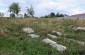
point(33, 35)
point(52, 36)
point(28, 30)
point(54, 44)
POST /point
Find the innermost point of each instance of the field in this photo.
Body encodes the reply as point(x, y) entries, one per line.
point(14, 41)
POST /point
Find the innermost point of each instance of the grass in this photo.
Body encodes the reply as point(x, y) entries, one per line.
point(16, 42)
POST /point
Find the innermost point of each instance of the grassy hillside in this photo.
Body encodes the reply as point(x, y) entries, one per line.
point(16, 42)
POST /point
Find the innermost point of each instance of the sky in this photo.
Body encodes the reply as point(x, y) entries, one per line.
point(44, 7)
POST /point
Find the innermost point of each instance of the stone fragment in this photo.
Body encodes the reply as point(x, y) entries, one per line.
point(59, 33)
point(52, 36)
point(28, 30)
point(80, 28)
point(33, 35)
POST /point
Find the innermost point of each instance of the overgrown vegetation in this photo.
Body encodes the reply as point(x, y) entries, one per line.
point(16, 42)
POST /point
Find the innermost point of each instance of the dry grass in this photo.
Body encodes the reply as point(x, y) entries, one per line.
point(41, 25)
point(3, 32)
point(80, 22)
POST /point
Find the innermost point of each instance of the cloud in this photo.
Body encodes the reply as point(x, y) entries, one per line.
point(43, 7)
point(62, 6)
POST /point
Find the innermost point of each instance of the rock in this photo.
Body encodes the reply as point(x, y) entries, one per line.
point(33, 35)
point(59, 47)
point(52, 36)
point(80, 42)
point(48, 41)
point(28, 30)
point(80, 28)
point(54, 44)
point(59, 33)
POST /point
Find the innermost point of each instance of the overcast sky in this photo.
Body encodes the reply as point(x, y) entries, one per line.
point(43, 7)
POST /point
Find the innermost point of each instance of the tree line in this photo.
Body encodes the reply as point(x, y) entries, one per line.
point(52, 14)
point(14, 10)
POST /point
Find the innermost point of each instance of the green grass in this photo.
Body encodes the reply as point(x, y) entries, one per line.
point(16, 42)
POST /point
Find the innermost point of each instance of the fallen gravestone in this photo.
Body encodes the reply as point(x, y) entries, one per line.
point(33, 35)
point(80, 28)
point(28, 30)
point(54, 44)
point(52, 36)
point(57, 33)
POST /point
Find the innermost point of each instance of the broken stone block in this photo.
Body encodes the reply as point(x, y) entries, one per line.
point(59, 47)
point(52, 36)
point(80, 42)
point(28, 30)
point(33, 35)
point(54, 44)
point(59, 33)
point(48, 41)
point(80, 28)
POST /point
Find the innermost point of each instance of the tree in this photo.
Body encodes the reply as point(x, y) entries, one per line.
point(59, 15)
point(25, 15)
point(1, 14)
point(52, 14)
point(30, 11)
point(46, 16)
point(14, 8)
